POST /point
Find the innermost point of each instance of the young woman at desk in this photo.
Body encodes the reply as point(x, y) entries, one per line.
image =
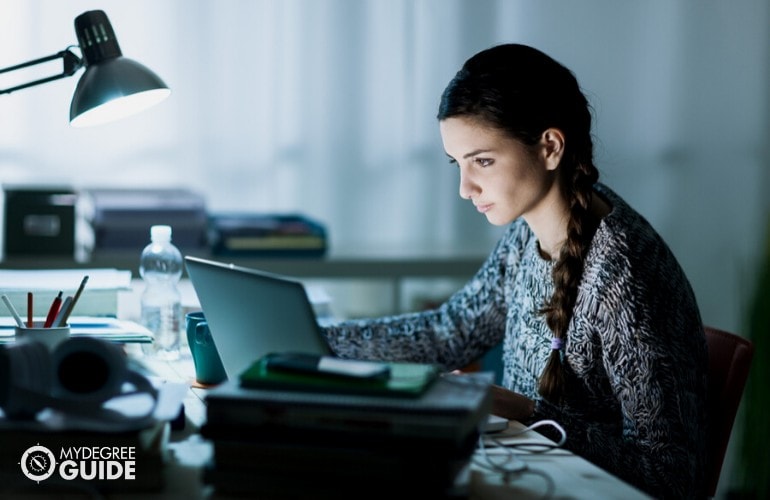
point(600, 328)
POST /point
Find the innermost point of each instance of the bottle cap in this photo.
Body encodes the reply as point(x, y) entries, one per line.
point(160, 233)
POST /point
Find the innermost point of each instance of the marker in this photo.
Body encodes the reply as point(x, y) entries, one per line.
point(53, 311)
point(13, 311)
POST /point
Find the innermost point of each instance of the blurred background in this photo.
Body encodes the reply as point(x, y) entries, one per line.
point(327, 107)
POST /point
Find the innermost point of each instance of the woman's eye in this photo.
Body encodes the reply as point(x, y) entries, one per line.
point(484, 162)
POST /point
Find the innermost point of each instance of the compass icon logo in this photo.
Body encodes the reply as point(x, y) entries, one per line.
point(38, 463)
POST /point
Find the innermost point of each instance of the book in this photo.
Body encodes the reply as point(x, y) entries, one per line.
point(340, 443)
point(404, 380)
point(278, 235)
point(262, 462)
point(451, 408)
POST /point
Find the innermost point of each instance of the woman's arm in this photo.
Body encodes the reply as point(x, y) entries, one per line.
point(458, 332)
point(511, 404)
point(453, 335)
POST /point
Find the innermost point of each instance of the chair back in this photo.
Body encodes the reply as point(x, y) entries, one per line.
point(729, 360)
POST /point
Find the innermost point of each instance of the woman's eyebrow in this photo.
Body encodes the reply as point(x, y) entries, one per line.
point(476, 152)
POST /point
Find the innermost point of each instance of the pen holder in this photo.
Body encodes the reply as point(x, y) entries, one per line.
point(51, 337)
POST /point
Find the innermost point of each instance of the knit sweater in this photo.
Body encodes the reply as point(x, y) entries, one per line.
point(635, 351)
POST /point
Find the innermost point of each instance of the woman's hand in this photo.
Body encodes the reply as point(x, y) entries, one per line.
point(511, 404)
point(508, 404)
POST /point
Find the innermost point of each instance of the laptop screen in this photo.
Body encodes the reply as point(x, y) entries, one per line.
point(251, 313)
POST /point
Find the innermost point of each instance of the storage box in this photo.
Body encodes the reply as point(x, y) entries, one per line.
point(39, 220)
point(120, 219)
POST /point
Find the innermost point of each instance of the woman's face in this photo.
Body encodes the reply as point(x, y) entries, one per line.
point(501, 176)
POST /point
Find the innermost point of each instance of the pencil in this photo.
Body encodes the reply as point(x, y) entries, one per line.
point(13, 311)
point(30, 316)
point(67, 313)
point(57, 322)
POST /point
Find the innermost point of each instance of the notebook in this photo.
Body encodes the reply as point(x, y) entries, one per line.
point(400, 380)
point(251, 313)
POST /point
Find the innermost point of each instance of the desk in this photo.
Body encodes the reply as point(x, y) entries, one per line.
point(554, 474)
point(558, 472)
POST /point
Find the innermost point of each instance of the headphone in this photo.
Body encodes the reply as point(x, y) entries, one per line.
point(77, 377)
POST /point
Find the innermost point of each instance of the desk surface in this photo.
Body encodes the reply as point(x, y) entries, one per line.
point(554, 474)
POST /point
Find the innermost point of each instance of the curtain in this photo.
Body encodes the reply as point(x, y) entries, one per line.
point(327, 107)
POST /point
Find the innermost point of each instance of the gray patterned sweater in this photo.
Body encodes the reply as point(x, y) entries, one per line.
point(635, 350)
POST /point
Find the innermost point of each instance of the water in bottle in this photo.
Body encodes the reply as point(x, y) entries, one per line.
point(161, 268)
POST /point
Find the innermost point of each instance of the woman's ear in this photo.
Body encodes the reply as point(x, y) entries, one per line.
point(552, 142)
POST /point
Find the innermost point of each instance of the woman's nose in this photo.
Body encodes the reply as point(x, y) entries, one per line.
point(468, 188)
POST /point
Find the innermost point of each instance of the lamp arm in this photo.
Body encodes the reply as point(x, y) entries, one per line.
point(71, 64)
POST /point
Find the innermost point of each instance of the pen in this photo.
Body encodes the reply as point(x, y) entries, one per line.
point(68, 311)
point(59, 321)
point(53, 311)
point(29, 310)
point(13, 311)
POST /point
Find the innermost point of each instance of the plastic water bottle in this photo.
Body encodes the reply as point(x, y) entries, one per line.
point(161, 268)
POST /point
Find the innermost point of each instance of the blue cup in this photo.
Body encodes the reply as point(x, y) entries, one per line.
point(208, 365)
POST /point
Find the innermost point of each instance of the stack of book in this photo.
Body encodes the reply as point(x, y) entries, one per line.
point(272, 439)
point(266, 235)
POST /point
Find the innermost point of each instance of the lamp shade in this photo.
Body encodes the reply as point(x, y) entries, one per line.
point(112, 86)
point(114, 89)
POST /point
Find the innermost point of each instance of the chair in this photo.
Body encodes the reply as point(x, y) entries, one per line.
point(729, 360)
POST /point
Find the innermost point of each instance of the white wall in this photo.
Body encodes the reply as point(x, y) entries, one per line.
point(327, 107)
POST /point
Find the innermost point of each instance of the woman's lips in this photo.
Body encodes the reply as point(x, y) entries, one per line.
point(484, 208)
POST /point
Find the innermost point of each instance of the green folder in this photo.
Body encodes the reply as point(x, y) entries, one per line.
point(405, 379)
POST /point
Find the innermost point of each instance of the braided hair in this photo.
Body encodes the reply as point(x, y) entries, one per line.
point(523, 92)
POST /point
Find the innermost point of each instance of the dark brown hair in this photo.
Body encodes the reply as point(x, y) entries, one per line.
point(522, 91)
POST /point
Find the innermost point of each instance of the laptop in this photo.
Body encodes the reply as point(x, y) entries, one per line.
point(252, 313)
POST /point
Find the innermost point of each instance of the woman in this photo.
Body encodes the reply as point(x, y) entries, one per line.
point(600, 328)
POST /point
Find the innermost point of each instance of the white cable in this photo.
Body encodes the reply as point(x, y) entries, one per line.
point(541, 423)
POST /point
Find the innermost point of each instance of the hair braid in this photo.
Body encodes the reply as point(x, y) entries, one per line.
point(568, 270)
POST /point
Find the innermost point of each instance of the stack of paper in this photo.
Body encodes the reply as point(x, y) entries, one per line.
point(111, 329)
point(99, 297)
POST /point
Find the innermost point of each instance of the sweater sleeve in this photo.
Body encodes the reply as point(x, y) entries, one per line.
point(458, 332)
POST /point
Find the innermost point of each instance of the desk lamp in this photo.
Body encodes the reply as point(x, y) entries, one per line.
point(112, 86)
